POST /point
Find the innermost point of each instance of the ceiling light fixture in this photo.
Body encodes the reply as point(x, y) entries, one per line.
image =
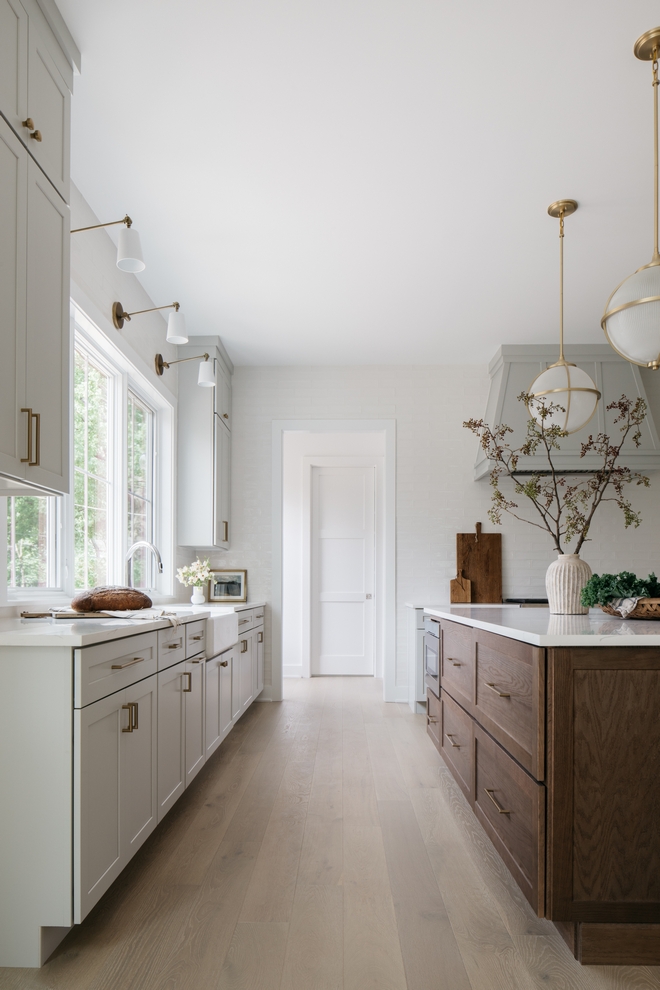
point(631, 320)
point(176, 322)
point(129, 249)
point(563, 383)
point(205, 375)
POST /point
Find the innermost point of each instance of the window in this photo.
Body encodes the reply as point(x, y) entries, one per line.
point(32, 528)
point(140, 501)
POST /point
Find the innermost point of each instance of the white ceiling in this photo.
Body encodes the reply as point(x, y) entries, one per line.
point(366, 181)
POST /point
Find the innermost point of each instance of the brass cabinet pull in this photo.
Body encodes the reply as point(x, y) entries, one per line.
point(196, 661)
point(260, 637)
point(130, 717)
point(260, 616)
point(491, 794)
point(244, 646)
point(37, 416)
point(201, 636)
point(28, 459)
point(455, 663)
point(134, 713)
point(450, 737)
point(242, 622)
point(175, 646)
point(431, 718)
point(187, 690)
point(225, 531)
point(501, 694)
point(129, 663)
point(224, 663)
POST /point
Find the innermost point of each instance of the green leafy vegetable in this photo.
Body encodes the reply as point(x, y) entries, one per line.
point(600, 588)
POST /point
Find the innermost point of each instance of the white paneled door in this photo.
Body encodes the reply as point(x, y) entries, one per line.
point(342, 570)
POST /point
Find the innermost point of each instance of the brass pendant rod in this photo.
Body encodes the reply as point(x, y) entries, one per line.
point(95, 226)
point(561, 285)
point(197, 357)
point(138, 312)
point(656, 255)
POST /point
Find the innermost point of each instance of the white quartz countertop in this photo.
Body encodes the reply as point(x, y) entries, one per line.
point(86, 632)
point(215, 607)
point(539, 627)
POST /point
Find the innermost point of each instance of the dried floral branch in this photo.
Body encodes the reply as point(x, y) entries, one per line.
point(565, 510)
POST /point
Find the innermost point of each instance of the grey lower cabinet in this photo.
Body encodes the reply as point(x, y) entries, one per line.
point(181, 729)
point(219, 713)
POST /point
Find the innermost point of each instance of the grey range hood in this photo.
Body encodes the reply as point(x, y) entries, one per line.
point(512, 371)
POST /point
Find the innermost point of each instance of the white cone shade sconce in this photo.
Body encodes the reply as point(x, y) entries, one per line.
point(563, 384)
point(129, 249)
point(176, 323)
point(631, 320)
point(206, 374)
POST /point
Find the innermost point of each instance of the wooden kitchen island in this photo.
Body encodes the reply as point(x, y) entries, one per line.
point(550, 725)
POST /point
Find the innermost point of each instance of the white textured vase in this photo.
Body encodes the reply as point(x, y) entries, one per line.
point(197, 597)
point(564, 580)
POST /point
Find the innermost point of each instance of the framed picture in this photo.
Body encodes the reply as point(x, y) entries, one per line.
point(228, 586)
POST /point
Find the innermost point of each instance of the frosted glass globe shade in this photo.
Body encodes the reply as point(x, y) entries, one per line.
point(129, 251)
point(206, 376)
point(634, 332)
point(176, 328)
point(564, 385)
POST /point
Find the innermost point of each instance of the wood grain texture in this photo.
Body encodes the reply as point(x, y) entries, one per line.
point(314, 953)
point(457, 662)
point(255, 958)
point(479, 558)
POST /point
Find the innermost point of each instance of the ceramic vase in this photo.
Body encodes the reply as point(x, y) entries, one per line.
point(564, 580)
point(197, 597)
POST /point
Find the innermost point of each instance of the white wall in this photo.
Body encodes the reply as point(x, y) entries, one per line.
point(436, 496)
point(295, 447)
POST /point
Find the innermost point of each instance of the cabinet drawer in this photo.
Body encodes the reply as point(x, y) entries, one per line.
point(511, 807)
point(510, 697)
point(246, 619)
point(433, 718)
point(171, 646)
point(457, 662)
point(457, 744)
point(195, 637)
point(108, 667)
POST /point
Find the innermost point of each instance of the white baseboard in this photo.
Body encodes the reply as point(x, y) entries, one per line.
point(291, 670)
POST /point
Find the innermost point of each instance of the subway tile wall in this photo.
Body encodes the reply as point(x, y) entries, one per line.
point(436, 496)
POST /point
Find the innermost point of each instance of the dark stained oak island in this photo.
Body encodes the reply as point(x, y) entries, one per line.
point(550, 726)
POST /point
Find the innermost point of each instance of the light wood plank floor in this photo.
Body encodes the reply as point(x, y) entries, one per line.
point(324, 846)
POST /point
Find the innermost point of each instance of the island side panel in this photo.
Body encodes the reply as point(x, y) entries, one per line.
point(36, 753)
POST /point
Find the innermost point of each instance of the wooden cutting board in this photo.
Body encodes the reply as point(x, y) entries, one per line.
point(460, 590)
point(479, 559)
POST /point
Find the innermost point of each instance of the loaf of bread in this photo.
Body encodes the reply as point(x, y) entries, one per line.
point(113, 599)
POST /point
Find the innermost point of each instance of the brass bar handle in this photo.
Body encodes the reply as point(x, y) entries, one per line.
point(37, 460)
point(130, 719)
point(225, 531)
point(243, 622)
point(188, 690)
point(134, 713)
point(260, 616)
point(130, 663)
point(491, 794)
point(454, 663)
point(175, 646)
point(450, 737)
point(224, 663)
point(28, 459)
point(431, 718)
point(196, 661)
point(500, 694)
point(260, 637)
point(196, 638)
point(244, 646)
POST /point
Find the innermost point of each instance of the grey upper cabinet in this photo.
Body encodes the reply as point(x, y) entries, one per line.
point(35, 88)
point(204, 451)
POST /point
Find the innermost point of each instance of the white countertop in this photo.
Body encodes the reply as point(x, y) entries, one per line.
point(539, 627)
point(218, 606)
point(86, 632)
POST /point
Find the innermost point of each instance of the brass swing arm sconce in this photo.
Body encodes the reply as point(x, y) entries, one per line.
point(112, 223)
point(119, 315)
point(161, 364)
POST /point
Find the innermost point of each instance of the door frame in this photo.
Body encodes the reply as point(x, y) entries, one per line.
point(388, 427)
point(376, 462)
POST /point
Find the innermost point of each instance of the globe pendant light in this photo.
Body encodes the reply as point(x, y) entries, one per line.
point(632, 315)
point(562, 384)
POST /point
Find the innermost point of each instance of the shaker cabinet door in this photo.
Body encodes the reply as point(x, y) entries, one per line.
point(139, 766)
point(194, 720)
point(49, 107)
point(222, 481)
point(171, 736)
point(13, 62)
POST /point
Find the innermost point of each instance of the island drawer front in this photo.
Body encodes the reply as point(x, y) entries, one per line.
point(457, 744)
point(195, 637)
point(511, 807)
point(510, 697)
point(457, 662)
point(171, 646)
point(433, 717)
point(108, 667)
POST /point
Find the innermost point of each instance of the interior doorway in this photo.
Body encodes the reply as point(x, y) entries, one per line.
point(342, 564)
point(334, 545)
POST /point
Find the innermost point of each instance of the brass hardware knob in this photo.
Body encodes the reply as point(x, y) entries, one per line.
point(224, 663)
point(225, 416)
point(36, 135)
point(500, 694)
point(491, 794)
point(29, 123)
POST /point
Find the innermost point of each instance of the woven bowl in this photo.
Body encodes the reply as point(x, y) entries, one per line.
point(646, 608)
